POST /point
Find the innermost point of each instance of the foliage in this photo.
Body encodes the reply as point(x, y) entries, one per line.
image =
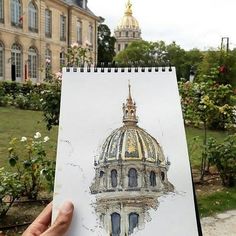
point(224, 64)
point(106, 45)
point(10, 189)
point(159, 53)
point(207, 103)
point(31, 163)
point(22, 95)
point(51, 104)
point(223, 156)
point(78, 56)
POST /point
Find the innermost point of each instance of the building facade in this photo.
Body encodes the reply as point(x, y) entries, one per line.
point(128, 29)
point(35, 34)
point(130, 175)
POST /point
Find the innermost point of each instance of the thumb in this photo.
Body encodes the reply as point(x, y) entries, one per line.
point(62, 222)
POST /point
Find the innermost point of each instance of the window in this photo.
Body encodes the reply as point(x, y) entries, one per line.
point(126, 45)
point(119, 34)
point(133, 178)
point(90, 36)
point(1, 61)
point(1, 11)
point(33, 62)
point(16, 14)
point(118, 47)
point(114, 178)
point(62, 59)
point(153, 182)
point(133, 34)
point(162, 176)
point(48, 23)
point(48, 61)
point(33, 18)
point(16, 60)
point(127, 34)
point(79, 32)
point(63, 28)
point(115, 224)
point(133, 222)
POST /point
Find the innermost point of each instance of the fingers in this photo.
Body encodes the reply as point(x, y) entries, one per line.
point(62, 222)
point(41, 223)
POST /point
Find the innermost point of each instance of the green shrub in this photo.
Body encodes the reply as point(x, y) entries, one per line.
point(10, 189)
point(223, 156)
point(29, 158)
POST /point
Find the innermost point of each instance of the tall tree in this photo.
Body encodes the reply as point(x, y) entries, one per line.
point(106, 45)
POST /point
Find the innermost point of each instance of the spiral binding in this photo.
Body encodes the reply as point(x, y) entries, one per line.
point(115, 68)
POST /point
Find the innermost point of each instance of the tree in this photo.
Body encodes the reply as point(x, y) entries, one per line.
point(106, 45)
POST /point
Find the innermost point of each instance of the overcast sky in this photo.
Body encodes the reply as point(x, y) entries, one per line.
point(192, 24)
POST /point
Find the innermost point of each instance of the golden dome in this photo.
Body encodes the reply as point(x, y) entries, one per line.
point(128, 21)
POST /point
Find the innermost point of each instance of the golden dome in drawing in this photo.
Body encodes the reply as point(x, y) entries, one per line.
point(130, 142)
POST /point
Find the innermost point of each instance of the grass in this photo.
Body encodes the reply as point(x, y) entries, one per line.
point(18, 123)
point(195, 139)
point(217, 202)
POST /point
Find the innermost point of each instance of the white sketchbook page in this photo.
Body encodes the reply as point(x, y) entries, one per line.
point(91, 108)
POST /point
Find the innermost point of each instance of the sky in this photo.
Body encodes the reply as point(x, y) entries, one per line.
point(190, 23)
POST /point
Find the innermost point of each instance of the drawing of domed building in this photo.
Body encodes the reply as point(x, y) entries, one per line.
point(130, 175)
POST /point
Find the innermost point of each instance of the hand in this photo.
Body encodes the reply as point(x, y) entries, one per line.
point(41, 224)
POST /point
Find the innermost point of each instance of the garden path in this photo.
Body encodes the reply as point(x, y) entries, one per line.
point(223, 224)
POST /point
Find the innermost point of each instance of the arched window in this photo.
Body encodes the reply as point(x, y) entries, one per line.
point(115, 224)
point(32, 17)
point(133, 178)
point(133, 222)
point(114, 178)
point(16, 61)
point(153, 182)
point(1, 11)
point(33, 63)
point(1, 61)
point(16, 13)
point(162, 176)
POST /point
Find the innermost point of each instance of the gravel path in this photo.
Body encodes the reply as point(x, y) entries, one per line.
point(223, 224)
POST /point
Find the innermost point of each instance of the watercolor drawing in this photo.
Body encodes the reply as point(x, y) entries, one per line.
point(130, 176)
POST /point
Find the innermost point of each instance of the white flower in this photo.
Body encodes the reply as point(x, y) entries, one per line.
point(37, 135)
point(46, 138)
point(73, 45)
point(23, 139)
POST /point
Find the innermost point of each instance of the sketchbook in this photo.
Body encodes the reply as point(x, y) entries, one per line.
point(122, 156)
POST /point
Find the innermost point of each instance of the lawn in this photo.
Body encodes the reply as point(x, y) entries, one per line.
point(18, 123)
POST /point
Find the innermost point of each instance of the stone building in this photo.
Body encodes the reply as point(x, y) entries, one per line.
point(128, 29)
point(130, 175)
point(36, 32)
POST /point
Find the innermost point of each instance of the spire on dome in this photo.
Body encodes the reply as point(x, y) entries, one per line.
point(128, 10)
point(129, 110)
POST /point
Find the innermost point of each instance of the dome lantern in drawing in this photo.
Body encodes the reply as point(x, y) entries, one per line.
point(130, 175)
